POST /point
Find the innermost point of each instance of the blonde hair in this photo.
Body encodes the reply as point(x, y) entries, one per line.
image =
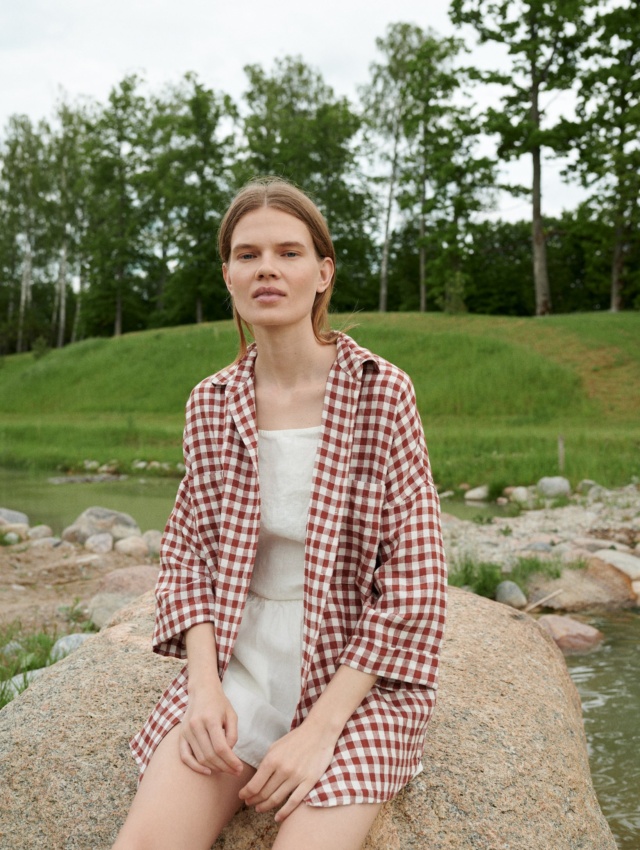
point(284, 196)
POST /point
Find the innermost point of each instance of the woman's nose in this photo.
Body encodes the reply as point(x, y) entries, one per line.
point(267, 268)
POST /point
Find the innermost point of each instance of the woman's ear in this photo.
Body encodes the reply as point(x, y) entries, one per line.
point(326, 273)
point(226, 277)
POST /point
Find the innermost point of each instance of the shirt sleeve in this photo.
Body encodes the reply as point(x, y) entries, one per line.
point(184, 592)
point(401, 626)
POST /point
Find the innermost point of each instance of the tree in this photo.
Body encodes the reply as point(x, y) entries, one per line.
point(442, 182)
point(298, 129)
point(607, 133)
point(23, 191)
point(385, 103)
point(543, 39)
point(189, 189)
point(115, 242)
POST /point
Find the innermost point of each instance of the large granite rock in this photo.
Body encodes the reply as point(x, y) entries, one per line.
point(505, 764)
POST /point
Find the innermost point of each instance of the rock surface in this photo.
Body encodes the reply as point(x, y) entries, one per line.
point(505, 764)
point(570, 635)
point(553, 487)
point(96, 520)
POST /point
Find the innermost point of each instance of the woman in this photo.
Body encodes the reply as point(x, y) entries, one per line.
point(302, 572)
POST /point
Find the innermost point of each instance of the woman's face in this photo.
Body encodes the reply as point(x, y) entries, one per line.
point(273, 272)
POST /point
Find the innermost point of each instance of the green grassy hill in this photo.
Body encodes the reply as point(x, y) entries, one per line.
point(494, 393)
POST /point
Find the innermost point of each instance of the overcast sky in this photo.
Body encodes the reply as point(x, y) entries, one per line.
point(84, 47)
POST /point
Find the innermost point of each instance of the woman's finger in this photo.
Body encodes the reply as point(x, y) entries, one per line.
point(187, 757)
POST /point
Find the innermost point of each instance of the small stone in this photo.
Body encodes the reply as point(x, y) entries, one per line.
point(585, 485)
point(509, 593)
point(135, 547)
point(11, 648)
point(553, 487)
point(448, 494)
point(519, 495)
point(99, 543)
point(19, 588)
point(20, 682)
point(64, 645)
point(14, 516)
point(96, 520)
point(477, 494)
point(11, 538)
point(45, 541)
point(153, 538)
point(569, 634)
point(502, 500)
point(38, 532)
point(537, 546)
point(623, 561)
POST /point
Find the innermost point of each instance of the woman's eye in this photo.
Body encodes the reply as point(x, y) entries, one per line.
point(245, 256)
point(291, 253)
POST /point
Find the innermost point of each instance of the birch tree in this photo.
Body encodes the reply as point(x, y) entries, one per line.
point(607, 134)
point(543, 40)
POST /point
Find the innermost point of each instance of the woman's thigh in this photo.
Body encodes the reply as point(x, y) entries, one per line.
point(319, 828)
point(176, 808)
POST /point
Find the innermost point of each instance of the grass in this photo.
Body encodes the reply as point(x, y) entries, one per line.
point(19, 653)
point(483, 577)
point(495, 393)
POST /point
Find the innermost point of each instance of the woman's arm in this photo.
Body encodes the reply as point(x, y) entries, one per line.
point(294, 763)
point(210, 725)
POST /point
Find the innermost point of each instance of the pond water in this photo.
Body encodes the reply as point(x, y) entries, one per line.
point(608, 679)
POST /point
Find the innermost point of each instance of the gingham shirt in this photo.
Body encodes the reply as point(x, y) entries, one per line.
point(375, 578)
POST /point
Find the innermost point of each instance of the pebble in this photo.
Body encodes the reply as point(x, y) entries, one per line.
point(509, 593)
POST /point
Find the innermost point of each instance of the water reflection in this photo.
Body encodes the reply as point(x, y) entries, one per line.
point(608, 681)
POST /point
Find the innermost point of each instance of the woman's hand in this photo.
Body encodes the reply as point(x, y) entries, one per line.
point(290, 769)
point(209, 731)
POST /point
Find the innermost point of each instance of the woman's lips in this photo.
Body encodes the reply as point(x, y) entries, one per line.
point(268, 295)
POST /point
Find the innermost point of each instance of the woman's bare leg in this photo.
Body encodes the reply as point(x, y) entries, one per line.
point(176, 808)
point(335, 827)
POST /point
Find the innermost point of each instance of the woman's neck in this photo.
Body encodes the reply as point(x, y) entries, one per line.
point(288, 358)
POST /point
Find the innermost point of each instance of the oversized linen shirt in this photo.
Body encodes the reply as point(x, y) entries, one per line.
point(374, 580)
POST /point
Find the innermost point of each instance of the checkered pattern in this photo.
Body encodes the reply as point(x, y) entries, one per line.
point(375, 578)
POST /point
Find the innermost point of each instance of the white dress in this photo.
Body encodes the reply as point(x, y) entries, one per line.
point(262, 681)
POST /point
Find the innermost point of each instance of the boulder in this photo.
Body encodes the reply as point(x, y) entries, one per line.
point(100, 543)
point(520, 495)
point(8, 515)
point(153, 538)
point(623, 561)
point(135, 547)
point(509, 593)
point(117, 589)
point(505, 759)
point(598, 587)
point(39, 532)
point(553, 487)
point(96, 520)
point(477, 494)
point(570, 635)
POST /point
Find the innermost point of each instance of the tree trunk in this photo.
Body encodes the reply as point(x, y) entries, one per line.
point(423, 250)
point(62, 295)
point(117, 325)
point(76, 318)
point(540, 274)
point(199, 310)
point(384, 264)
point(617, 268)
point(25, 295)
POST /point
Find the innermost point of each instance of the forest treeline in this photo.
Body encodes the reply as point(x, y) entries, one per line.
point(108, 211)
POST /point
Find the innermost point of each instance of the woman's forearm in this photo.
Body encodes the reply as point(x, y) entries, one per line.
point(339, 700)
point(202, 654)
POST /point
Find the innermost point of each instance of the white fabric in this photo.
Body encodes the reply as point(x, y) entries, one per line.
point(262, 681)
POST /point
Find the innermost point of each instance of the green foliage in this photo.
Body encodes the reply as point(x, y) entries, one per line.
point(527, 567)
point(20, 652)
point(482, 577)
